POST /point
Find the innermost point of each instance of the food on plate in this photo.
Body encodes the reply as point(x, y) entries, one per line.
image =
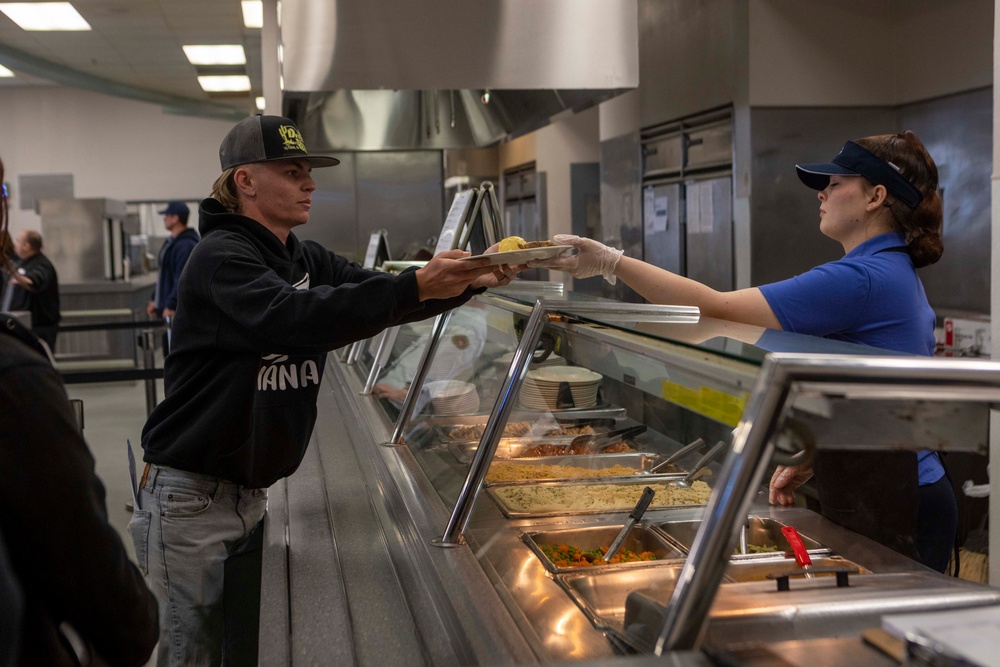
point(517, 243)
point(598, 496)
point(502, 471)
point(567, 555)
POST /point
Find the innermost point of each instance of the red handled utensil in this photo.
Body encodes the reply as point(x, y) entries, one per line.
point(799, 549)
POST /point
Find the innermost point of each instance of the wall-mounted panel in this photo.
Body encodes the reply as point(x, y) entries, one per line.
point(958, 133)
point(687, 57)
point(401, 192)
point(334, 213)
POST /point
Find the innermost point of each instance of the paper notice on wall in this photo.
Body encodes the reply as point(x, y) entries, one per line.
point(693, 207)
point(660, 217)
point(707, 194)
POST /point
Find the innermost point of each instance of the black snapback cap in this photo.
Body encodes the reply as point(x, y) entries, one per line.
point(854, 160)
point(265, 138)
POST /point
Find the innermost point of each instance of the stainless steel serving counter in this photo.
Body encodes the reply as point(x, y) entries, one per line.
point(356, 571)
point(352, 575)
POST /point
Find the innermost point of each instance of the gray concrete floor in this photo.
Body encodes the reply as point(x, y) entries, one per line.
point(114, 412)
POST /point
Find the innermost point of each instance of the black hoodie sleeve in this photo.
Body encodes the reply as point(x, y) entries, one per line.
point(338, 304)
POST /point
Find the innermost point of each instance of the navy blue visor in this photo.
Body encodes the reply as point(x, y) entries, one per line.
point(853, 160)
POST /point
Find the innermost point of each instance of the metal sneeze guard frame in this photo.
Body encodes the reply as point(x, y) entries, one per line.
point(684, 621)
point(506, 399)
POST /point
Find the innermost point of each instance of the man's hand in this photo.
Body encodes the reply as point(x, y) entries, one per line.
point(784, 481)
point(445, 276)
point(22, 280)
point(500, 276)
point(168, 313)
point(151, 309)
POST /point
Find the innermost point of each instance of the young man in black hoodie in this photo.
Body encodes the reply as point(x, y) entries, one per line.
point(259, 310)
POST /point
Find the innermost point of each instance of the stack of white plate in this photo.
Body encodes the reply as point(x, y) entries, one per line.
point(503, 361)
point(540, 390)
point(453, 397)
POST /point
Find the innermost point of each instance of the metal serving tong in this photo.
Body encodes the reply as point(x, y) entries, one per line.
point(701, 465)
point(600, 440)
point(673, 457)
point(633, 518)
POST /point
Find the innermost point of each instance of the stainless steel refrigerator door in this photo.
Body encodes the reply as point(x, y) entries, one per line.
point(709, 225)
point(662, 229)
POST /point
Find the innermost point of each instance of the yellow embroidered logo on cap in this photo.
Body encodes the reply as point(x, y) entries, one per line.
point(291, 139)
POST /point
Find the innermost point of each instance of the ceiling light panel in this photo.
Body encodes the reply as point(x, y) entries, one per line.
point(228, 84)
point(5, 73)
point(215, 54)
point(253, 13)
point(44, 15)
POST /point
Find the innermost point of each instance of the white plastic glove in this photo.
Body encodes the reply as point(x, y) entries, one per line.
point(592, 259)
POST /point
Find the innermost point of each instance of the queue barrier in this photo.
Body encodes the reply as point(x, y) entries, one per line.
point(117, 370)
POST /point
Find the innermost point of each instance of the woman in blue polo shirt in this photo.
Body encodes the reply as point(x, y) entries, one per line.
point(878, 199)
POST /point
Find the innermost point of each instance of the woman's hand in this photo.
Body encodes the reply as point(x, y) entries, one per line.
point(593, 259)
point(445, 275)
point(784, 481)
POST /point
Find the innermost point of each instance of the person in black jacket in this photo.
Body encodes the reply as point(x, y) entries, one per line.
point(258, 310)
point(72, 569)
point(173, 256)
point(34, 286)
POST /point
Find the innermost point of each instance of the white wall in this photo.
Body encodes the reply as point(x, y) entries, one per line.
point(570, 139)
point(115, 148)
point(867, 52)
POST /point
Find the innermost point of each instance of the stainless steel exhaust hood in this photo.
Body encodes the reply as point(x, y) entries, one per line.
point(380, 74)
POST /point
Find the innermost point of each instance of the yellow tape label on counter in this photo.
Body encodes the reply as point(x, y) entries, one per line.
point(712, 403)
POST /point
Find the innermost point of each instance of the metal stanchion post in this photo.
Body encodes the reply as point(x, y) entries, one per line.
point(149, 361)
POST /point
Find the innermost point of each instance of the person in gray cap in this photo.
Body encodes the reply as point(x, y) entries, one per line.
point(173, 256)
point(879, 199)
point(258, 311)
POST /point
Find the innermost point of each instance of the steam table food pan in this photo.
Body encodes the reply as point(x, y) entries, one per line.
point(640, 540)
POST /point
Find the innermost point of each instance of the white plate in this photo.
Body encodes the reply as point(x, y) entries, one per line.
point(521, 256)
point(565, 374)
point(450, 388)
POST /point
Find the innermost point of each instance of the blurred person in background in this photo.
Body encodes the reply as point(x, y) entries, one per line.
point(7, 248)
point(879, 199)
point(34, 287)
point(173, 256)
point(84, 601)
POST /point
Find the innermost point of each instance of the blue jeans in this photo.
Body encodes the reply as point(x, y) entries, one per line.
point(184, 528)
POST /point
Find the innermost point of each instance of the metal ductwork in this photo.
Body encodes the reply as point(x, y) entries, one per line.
point(428, 119)
point(380, 74)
